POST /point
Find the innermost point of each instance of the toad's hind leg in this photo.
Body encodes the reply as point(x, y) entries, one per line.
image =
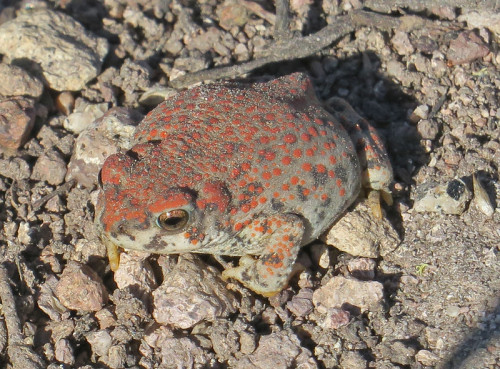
point(281, 236)
point(376, 168)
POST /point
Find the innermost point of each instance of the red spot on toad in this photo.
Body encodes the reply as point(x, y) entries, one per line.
point(320, 168)
point(290, 138)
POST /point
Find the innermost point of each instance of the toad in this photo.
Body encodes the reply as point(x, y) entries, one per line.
point(255, 170)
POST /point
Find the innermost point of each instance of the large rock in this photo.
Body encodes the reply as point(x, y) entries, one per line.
point(68, 55)
point(359, 233)
point(191, 292)
point(342, 292)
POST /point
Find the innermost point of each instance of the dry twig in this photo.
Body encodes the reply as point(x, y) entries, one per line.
point(418, 5)
point(62, 189)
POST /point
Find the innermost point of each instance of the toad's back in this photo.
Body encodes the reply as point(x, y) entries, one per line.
point(271, 144)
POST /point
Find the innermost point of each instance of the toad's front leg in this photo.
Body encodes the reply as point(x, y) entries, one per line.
point(281, 236)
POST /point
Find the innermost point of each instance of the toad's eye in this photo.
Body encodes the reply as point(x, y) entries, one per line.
point(173, 220)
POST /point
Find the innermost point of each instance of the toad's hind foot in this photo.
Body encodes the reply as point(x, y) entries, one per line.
point(270, 273)
point(376, 170)
point(373, 200)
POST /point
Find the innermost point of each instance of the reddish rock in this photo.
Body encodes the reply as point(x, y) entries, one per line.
point(17, 117)
point(336, 318)
point(466, 48)
point(301, 304)
point(231, 14)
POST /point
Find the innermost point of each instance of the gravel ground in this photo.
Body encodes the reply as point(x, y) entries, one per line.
point(421, 292)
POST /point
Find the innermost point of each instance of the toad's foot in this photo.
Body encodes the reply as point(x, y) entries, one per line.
point(270, 273)
point(113, 254)
point(373, 200)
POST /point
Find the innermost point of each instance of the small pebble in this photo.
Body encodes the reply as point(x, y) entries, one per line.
point(336, 318)
point(320, 255)
point(481, 198)
point(279, 349)
point(100, 341)
point(83, 116)
point(427, 358)
point(402, 43)
point(352, 360)
point(231, 13)
point(18, 82)
point(135, 270)
point(68, 55)
point(449, 198)
point(301, 304)
point(359, 234)
point(420, 112)
point(117, 356)
point(101, 139)
point(428, 129)
point(50, 167)
point(362, 268)
point(64, 352)
point(65, 102)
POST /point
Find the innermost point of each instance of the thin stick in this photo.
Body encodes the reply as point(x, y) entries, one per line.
point(389, 5)
point(62, 189)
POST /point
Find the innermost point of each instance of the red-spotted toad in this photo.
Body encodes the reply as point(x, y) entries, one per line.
point(252, 170)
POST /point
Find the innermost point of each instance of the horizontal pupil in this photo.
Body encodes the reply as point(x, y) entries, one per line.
point(173, 221)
